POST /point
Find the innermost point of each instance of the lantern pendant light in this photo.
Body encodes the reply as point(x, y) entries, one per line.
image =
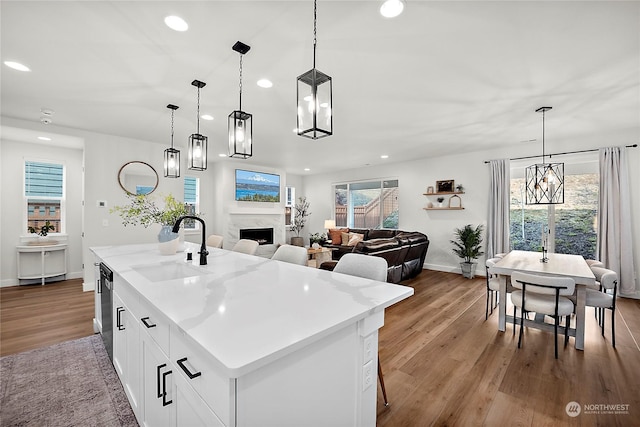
point(198, 142)
point(314, 96)
point(171, 155)
point(240, 122)
point(544, 181)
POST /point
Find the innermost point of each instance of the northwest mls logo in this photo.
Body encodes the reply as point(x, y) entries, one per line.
point(573, 409)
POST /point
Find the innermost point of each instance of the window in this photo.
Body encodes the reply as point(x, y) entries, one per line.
point(44, 194)
point(572, 225)
point(289, 203)
point(192, 201)
point(367, 204)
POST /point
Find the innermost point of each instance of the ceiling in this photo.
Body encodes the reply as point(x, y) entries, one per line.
point(441, 78)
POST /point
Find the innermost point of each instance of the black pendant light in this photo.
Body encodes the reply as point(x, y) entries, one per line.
point(544, 181)
point(198, 142)
point(314, 94)
point(240, 122)
point(171, 155)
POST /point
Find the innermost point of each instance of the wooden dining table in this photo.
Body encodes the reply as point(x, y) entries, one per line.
point(564, 265)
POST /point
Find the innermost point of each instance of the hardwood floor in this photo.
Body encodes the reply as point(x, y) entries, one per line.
point(443, 363)
point(36, 316)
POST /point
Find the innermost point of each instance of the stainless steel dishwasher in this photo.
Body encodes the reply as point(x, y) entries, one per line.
point(106, 304)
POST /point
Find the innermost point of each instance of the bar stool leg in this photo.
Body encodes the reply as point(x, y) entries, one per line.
point(381, 378)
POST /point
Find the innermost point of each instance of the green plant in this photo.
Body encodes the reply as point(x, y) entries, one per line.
point(44, 230)
point(300, 217)
point(142, 210)
point(468, 242)
point(320, 238)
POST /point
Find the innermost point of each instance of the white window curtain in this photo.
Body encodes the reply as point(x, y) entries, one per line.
point(615, 249)
point(498, 221)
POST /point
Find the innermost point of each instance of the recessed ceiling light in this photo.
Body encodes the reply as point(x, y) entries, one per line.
point(44, 138)
point(206, 117)
point(222, 155)
point(391, 8)
point(16, 66)
point(307, 169)
point(384, 156)
point(176, 23)
point(266, 83)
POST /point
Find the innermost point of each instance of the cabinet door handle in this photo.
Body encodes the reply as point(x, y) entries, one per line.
point(158, 379)
point(148, 325)
point(164, 389)
point(186, 370)
point(119, 324)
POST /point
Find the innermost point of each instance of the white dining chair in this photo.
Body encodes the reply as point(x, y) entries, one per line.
point(493, 286)
point(246, 246)
point(602, 299)
point(215, 241)
point(543, 295)
point(291, 254)
point(369, 267)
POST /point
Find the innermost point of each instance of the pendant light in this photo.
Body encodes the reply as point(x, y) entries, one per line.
point(240, 122)
point(171, 155)
point(314, 95)
point(544, 181)
point(198, 142)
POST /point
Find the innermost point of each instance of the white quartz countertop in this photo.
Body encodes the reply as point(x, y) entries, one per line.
point(244, 310)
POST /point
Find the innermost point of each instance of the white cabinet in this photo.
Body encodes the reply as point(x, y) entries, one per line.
point(42, 262)
point(158, 395)
point(126, 341)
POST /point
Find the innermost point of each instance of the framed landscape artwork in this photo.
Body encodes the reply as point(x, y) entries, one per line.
point(254, 186)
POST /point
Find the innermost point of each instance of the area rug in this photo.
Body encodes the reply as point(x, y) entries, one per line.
point(68, 384)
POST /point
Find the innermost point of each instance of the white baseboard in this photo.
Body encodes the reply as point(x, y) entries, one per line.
point(449, 269)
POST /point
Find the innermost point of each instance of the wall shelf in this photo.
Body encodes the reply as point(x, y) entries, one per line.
point(444, 208)
point(443, 193)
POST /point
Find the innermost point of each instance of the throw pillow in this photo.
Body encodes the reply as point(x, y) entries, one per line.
point(354, 238)
point(345, 238)
point(335, 234)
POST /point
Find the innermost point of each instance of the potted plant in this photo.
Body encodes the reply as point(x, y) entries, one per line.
point(42, 233)
point(440, 200)
point(299, 220)
point(143, 210)
point(468, 247)
point(318, 239)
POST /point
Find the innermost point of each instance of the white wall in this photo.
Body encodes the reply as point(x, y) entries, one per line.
point(12, 219)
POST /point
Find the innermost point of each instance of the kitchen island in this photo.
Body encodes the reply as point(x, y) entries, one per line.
point(244, 340)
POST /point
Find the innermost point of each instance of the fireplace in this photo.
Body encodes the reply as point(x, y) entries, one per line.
point(264, 236)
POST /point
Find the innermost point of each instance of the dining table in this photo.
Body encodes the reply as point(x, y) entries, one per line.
point(563, 265)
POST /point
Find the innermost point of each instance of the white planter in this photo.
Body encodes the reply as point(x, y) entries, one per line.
point(468, 269)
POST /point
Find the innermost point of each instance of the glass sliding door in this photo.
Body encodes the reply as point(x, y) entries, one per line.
point(367, 204)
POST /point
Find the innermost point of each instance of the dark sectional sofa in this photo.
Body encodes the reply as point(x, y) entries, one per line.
point(404, 251)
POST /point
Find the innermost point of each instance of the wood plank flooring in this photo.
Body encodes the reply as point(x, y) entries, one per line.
point(443, 364)
point(35, 316)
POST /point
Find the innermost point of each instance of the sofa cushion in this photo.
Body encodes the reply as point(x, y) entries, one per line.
point(344, 239)
point(363, 231)
point(335, 234)
point(381, 234)
point(354, 238)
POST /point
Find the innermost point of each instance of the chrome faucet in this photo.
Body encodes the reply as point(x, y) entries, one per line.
point(203, 247)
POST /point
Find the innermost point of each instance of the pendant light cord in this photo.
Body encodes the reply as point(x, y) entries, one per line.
point(543, 112)
point(315, 33)
point(240, 85)
point(198, 114)
point(172, 111)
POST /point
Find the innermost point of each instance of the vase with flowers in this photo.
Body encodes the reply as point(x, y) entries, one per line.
point(143, 210)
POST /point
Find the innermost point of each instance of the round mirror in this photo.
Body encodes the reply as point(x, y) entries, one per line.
point(138, 178)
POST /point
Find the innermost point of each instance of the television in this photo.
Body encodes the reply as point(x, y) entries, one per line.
point(254, 186)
